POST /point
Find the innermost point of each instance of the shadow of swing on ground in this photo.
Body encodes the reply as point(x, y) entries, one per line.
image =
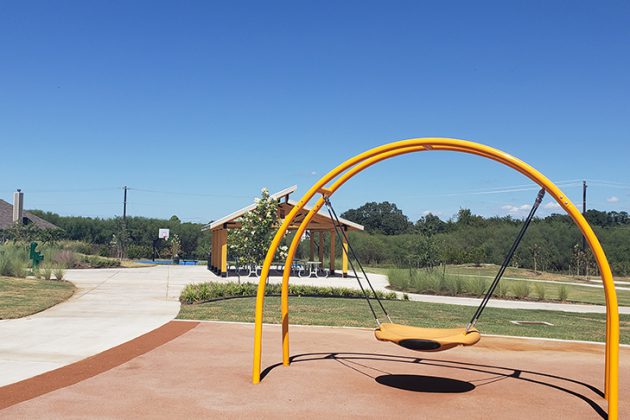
point(358, 362)
point(427, 384)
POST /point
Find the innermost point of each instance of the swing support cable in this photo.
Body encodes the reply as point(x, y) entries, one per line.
point(340, 232)
point(506, 261)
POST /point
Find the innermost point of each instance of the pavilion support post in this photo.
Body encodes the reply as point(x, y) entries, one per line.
point(321, 249)
point(217, 257)
point(211, 256)
point(311, 246)
point(216, 252)
point(213, 251)
point(344, 257)
point(332, 252)
point(224, 253)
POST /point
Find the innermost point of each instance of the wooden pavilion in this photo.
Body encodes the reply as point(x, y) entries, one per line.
point(321, 225)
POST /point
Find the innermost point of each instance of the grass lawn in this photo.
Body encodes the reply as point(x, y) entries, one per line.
point(22, 297)
point(354, 313)
point(576, 293)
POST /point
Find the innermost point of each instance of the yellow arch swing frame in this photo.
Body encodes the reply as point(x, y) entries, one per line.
point(353, 166)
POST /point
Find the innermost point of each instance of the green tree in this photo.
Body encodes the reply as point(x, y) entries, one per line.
point(598, 218)
point(258, 226)
point(535, 250)
point(430, 225)
point(383, 217)
point(176, 247)
point(466, 218)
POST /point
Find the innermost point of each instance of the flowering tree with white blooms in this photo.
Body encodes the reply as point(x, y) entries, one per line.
point(258, 227)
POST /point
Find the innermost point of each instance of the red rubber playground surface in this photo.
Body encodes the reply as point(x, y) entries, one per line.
point(189, 369)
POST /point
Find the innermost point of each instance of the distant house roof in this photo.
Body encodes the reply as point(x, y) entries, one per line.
point(284, 194)
point(6, 218)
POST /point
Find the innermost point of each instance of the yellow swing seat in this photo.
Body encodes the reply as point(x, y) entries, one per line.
point(426, 339)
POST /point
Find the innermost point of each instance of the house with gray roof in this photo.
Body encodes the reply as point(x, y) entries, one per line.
point(12, 214)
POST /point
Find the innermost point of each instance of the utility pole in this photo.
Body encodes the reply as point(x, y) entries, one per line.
point(123, 240)
point(584, 187)
point(125, 206)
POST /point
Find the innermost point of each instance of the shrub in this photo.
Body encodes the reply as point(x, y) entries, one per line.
point(13, 260)
point(94, 261)
point(521, 290)
point(563, 293)
point(59, 273)
point(5, 265)
point(398, 279)
point(139, 251)
point(19, 269)
point(459, 285)
point(502, 290)
point(202, 292)
point(66, 258)
point(539, 288)
point(430, 281)
point(46, 273)
point(476, 286)
point(77, 246)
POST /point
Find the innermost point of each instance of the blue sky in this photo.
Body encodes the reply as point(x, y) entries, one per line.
point(197, 105)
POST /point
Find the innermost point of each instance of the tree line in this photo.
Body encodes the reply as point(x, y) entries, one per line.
point(552, 243)
point(137, 234)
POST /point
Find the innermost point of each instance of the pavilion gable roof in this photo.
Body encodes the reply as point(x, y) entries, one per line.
point(283, 194)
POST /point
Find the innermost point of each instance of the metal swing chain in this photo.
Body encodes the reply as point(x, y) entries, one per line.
point(337, 223)
point(506, 261)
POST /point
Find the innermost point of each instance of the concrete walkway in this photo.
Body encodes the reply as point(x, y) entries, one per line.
point(113, 306)
point(110, 307)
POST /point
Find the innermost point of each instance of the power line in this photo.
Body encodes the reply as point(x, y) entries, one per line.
point(77, 190)
point(601, 184)
point(501, 190)
point(602, 181)
point(190, 193)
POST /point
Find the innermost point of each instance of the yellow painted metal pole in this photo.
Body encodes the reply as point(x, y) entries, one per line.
point(214, 250)
point(344, 257)
point(286, 274)
point(612, 330)
point(224, 252)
